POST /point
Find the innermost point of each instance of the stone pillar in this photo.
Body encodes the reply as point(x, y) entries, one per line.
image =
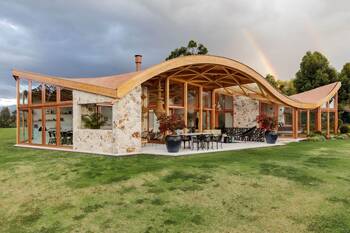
point(127, 116)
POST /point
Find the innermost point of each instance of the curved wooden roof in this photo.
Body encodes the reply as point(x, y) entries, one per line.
point(212, 72)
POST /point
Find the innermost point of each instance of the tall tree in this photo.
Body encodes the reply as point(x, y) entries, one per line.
point(344, 92)
point(5, 117)
point(314, 71)
point(272, 80)
point(284, 86)
point(193, 48)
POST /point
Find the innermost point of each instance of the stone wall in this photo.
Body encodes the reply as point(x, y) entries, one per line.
point(89, 140)
point(127, 123)
point(245, 111)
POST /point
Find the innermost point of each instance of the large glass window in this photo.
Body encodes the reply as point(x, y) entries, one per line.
point(50, 126)
point(36, 93)
point(176, 94)
point(206, 99)
point(50, 93)
point(66, 94)
point(94, 116)
point(193, 107)
point(37, 128)
point(66, 126)
point(23, 91)
point(224, 107)
point(23, 126)
point(206, 119)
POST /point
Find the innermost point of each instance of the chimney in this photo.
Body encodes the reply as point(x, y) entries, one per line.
point(138, 61)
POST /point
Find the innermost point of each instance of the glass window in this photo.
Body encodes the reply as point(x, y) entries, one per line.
point(50, 93)
point(153, 124)
point(23, 126)
point(220, 102)
point(36, 92)
point(228, 119)
point(66, 126)
point(178, 111)
point(192, 97)
point(228, 102)
point(193, 119)
point(206, 119)
point(94, 116)
point(37, 126)
point(50, 126)
point(23, 91)
point(66, 94)
point(176, 94)
point(221, 120)
point(206, 99)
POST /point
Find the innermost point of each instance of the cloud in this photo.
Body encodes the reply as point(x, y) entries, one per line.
point(93, 38)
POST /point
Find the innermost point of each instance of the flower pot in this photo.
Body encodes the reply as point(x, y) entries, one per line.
point(271, 137)
point(173, 143)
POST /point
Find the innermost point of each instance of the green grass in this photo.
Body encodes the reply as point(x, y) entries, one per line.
point(301, 187)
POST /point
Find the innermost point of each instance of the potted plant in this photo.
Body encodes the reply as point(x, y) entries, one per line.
point(93, 120)
point(270, 125)
point(168, 125)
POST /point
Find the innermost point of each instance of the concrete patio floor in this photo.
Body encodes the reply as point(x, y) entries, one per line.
point(160, 149)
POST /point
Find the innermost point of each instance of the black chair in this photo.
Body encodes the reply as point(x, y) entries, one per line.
point(206, 140)
point(195, 140)
point(187, 139)
point(217, 139)
point(52, 137)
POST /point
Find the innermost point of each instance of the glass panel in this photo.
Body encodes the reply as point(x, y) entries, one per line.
point(220, 102)
point(37, 126)
point(176, 94)
point(23, 91)
point(228, 119)
point(96, 117)
point(177, 111)
point(228, 102)
point(206, 99)
point(50, 93)
point(66, 95)
point(193, 119)
point(66, 126)
point(153, 125)
point(36, 92)
point(50, 126)
point(206, 119)
point(192, 97)
point(23, 126)
point(221, 120)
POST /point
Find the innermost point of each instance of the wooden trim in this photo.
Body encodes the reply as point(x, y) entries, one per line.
point(213, 109)
point(200, 126)
point(167, 96)
point(308, 122)
point(58, 126)
point(43, 125)
point(276, 111)
point(328, 122)
point(185, 102)
point(318, 120)
point(17, 113)
point(295, 123)
point(336, 116)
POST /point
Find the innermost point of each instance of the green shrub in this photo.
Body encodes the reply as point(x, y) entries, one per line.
point(344, 129)
point(316, 138)
point(342, 136)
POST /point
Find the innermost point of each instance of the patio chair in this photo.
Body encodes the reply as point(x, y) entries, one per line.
point(52, 137)
point(246, 136)
point(187, 139)
point(217, 139)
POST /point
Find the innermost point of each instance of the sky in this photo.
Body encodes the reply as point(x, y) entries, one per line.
point(87, 38)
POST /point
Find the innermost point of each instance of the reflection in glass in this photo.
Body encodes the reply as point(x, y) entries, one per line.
point(206, 99)
point(50, 126)
point(36, 92)
point(66, 126)
point(50, 93)
point(153, 124)
point(176, 93)
point(37, 126)
point(23, 126)
point(23, 91)
point(66, 95)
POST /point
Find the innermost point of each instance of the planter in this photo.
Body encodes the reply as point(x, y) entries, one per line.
point(271, 137)
point(173, 143)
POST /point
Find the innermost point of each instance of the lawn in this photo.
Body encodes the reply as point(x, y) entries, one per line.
point(301, 187)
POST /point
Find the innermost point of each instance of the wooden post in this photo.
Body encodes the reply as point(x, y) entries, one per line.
point(335, 130)
point(319, 119)
point(328, 122)
point(17, 113)
point(295, 123)
point(185, 102)
point(276, 111)
point(213, 110)
point(200, 122)
point(308, 122)
point(167, 96)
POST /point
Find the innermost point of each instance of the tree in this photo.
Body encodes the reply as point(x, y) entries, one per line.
point(344, 92)
point(284, 86)
point(193, 48)
point(315, 71)
point(5, 117)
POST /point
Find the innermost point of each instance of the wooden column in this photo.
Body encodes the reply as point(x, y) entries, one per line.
point(328, 122)
point(276, 110)
point(308, 122)
point(167, 81)
point(200, 122)
point(58, 117)
point(185, 102)
point(212, 123)
point(318, 120)
point(17, 113)
point(295, 125)
point(335, 130)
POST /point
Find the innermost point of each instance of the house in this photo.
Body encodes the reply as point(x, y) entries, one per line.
point(207, 91)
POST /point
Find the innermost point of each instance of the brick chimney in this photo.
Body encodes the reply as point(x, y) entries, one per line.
point(138, 61)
